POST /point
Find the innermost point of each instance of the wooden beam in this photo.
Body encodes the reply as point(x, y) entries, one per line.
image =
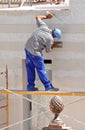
point(59, 93)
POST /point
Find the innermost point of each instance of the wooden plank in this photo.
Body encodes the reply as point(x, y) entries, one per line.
point(2, 124)
point(59, 93)
point(1, 107)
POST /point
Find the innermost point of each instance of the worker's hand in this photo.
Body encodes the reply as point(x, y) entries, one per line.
point(49, 15)
point(54, 45)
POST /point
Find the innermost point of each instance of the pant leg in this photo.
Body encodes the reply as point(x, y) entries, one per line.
point(30, 71)
point(40, 67)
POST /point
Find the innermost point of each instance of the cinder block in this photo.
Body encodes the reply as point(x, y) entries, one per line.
point(58, 44)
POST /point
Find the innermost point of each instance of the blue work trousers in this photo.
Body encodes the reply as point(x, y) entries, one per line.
point(36, 62)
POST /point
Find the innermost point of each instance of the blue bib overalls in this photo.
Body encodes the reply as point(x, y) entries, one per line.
point(36, 62)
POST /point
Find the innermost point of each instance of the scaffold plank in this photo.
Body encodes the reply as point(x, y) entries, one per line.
point(59, 93)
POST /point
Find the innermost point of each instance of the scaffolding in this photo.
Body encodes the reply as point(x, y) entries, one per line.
point(20, 94)
point(5, 97)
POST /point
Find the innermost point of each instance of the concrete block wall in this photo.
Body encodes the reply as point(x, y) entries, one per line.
point(68, 62)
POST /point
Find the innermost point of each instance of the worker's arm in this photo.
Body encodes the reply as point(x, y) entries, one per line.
point(39, 19)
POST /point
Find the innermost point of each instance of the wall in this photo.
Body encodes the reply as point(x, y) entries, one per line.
point(68, 62)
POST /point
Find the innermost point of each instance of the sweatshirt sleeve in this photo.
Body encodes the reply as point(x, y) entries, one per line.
point(48, 45)
point(40, 23)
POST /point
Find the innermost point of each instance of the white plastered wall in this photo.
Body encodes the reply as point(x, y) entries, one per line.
point(68, 62)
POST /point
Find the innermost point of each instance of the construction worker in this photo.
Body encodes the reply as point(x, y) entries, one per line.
point(41, 38)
